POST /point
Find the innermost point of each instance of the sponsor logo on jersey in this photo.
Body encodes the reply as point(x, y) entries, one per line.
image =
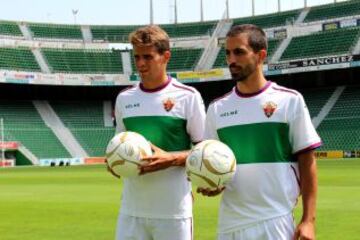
point(228, 114)
point(168, 104)
point(132, 105)
point(269, 108)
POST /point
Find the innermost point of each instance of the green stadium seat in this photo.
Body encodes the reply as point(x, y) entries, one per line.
point(22, 123)
point(9, 28)
point(189, 29)
point(184, 59)
point(340, 130)
point(270, 20)
point(112, 33)
point(84, 60)
point(334, 10)
point(325, 43)
point(316, 98)
point(55, 31)
point(121, 33)
point(85, 119)
point(20, 59)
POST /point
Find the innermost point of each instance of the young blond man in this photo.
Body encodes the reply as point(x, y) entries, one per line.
point(157, 205)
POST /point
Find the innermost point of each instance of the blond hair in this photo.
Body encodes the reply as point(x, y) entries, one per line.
point(151, 35)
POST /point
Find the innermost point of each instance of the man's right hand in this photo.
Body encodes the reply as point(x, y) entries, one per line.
point(110, 170)
point(210, 192)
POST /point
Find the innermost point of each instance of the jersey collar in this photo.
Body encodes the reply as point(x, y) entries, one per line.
point(247, 95)
point(155, 89)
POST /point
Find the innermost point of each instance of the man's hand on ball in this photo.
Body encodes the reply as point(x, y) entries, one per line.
point(110, 170)
point(158, 161)
point(210, 192)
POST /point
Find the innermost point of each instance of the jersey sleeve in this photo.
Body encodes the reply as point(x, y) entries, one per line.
point(210, 127)
point(120, 127)
point(303, 135)
point(196, 118)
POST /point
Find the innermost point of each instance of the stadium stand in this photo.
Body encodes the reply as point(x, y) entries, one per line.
point(121, 33)
point(270, 20)
point(23, 123)
point(316, 98)
point(221, 62)
point(340, 130)
point(112, 33)
point(55, 31)
point(184, 59)
point(85, 119)
point(189, 29)
point(83, 60)
point(328, 11)
point(181, 59)
point(18, 59)
point(326, 43)
point(9, 28)
point(220, 59)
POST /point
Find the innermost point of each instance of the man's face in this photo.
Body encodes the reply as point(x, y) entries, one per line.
point(150, 64)
point(240, 57)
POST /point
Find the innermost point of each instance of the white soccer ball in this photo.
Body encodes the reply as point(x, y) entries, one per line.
point(124, 153)
point(210, 164)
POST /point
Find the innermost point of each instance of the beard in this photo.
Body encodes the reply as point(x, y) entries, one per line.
point(239, 73)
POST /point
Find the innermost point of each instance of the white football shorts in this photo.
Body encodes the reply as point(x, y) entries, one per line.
point(138, 228)
point(280, 228)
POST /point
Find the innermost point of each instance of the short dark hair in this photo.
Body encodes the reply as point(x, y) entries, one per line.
point(151, 35)
point(256, 36)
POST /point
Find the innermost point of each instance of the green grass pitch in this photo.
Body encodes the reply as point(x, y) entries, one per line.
point(78, 203)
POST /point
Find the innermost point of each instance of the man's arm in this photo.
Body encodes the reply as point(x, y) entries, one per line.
point(194, 127)
point(308, 185)
point(162, 160)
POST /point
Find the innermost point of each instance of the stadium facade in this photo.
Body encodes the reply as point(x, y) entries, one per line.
point(59, 82)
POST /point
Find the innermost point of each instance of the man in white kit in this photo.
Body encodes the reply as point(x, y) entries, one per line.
point(270, 131)
point(157, 205)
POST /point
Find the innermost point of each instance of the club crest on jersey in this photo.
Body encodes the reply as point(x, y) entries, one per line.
point(168, 104)
point(269, 108)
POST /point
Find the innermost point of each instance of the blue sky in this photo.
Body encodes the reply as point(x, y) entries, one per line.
point(128, 12)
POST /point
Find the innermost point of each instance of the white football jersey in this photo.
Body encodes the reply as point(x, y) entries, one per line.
point(265, 130)
point(171, 117)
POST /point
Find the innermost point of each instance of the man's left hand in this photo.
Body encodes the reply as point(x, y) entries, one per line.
point(305, 231)
point(158, 161)
point(210, 192)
